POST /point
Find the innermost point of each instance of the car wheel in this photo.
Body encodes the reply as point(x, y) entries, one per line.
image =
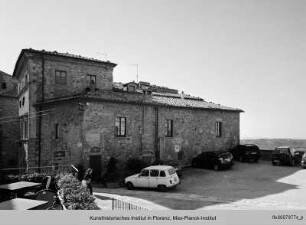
point(161, 188)
point(216, 167)
point(129, 186)
point(292, 163)
point(193, 164)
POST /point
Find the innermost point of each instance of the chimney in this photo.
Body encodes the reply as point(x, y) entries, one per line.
point(182, 95)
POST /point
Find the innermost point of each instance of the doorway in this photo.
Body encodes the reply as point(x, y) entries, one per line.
point(95, 164)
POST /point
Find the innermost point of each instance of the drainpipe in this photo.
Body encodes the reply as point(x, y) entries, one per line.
point(40, 113)
point(157, 155)
point(142, 130)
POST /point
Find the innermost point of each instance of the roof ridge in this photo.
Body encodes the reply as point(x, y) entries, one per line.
point(67, 54)
point(4, 73)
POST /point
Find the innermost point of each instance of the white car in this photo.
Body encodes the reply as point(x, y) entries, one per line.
point(161, 177)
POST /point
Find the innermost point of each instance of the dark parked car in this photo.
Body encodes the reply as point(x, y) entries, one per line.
point(298, 155)
point(283, 155)
point(246, 152)
point(213, 160)
point(303, 161)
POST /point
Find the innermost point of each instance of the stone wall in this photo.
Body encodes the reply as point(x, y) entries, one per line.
point(9, 122)
point(76, 73)
point(9, 132)
point(90, 130)
point(67, 147)
point(194, 132)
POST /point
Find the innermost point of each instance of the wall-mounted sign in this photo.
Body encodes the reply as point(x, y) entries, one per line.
point(176, 148)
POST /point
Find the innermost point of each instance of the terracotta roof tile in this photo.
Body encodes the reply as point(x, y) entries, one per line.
point(69, 55)
point(139, 98)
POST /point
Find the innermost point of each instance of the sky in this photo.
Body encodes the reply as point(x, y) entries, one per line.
point(244, 54)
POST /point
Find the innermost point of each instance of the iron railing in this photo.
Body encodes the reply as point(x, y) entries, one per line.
point(123, 205)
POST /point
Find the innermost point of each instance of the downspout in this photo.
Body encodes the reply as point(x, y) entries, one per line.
point(142, 130)
point(157, 154)
point(40, 113)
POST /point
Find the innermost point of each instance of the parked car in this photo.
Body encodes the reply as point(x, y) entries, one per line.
point(246, 152)
point(178, 168)
point(283, 155)
point(213, 160)
point(298, 154)
point(162, 177)
point(303, 161)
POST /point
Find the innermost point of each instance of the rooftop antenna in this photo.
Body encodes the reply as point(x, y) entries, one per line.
point(137, 70)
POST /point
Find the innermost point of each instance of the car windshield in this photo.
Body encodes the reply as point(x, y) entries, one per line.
point(282, 150)
point(144, 173)
point(251, 149)
point(171, 171)
point(225, 155)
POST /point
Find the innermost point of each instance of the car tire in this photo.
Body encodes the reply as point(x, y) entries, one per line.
point(194, 164)
point(241, 159)
point(216, 167)
point(292, 162)
point(161, 188)
point(129, 186)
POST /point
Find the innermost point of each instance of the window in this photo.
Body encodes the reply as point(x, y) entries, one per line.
point(144, 173)
point(60, 77)
point(3, 85)
point(169, 128)
point(91, 80)
point(162, 173)
point(154, 173)
point(171, 171)
point(120, 126)
point(57, 131)
point(218, 129)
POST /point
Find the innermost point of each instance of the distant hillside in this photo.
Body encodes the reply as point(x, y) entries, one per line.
point(273, 143)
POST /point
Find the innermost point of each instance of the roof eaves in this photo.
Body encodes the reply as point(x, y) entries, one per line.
point(55, 53)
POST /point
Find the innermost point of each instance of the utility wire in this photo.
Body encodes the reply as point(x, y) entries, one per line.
point(30, 117)
point(29, 113)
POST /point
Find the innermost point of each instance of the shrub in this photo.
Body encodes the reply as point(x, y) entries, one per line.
point(75, 195)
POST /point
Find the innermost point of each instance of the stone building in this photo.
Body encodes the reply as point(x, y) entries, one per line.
point(9, 122)
point(76, 114)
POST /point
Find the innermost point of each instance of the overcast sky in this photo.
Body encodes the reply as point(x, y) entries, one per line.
point(244, 54)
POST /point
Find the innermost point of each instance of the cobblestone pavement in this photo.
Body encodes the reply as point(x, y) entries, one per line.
point(246, 186)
